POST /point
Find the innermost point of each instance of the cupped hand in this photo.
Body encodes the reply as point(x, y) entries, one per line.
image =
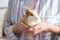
point(39, 28)
point(24, 28)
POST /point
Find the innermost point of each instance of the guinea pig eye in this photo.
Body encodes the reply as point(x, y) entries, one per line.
point(31, 14)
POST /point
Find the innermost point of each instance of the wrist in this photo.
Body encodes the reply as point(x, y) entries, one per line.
point(47, 27)
point(54, 28)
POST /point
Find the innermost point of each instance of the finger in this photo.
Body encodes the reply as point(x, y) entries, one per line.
point(27, 33)
point(22, 27)
point(37, 26)
point(24, 30)
point(37, 31)
point(24, 24)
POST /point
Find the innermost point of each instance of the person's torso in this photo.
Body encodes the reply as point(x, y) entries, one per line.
point(48, 16)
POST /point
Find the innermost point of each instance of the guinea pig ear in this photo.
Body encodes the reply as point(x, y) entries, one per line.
point(27, 11)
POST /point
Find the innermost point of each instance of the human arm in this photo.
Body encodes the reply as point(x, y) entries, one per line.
point(54, 28)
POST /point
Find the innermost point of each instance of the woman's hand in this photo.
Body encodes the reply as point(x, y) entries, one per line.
point(24, 28)
point(44, 27)
point(29, 31)
point(39, 28)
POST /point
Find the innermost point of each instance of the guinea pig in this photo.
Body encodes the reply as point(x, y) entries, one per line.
point(31, 18)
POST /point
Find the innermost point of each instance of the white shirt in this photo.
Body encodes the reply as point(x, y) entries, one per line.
point(49, 12)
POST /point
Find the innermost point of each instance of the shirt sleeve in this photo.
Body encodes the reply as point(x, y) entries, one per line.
point(8, 25)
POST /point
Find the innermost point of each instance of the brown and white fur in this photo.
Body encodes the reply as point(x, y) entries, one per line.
point(31, 18)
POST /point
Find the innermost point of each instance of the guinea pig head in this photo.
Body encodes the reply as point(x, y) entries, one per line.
point(29, 12)
point(31, 17)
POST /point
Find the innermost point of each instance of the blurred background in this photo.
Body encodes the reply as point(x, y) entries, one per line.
point(3, 8)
